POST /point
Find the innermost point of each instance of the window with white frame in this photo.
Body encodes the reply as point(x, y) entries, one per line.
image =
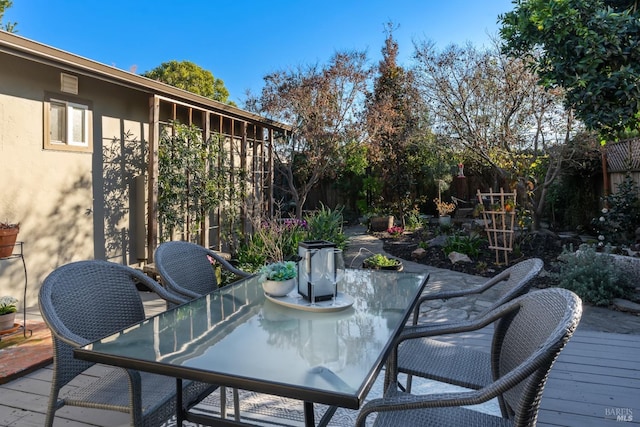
point(67, 124)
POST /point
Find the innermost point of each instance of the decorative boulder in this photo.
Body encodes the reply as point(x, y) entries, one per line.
point(458, 257)
point(419, 253)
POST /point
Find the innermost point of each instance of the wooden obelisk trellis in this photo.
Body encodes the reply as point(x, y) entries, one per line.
point(499, 216)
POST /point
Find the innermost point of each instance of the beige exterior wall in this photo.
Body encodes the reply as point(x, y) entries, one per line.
point(70, 205)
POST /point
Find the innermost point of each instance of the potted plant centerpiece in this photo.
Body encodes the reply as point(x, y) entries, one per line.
point(7, 312)
point(8, 236)
point(279, 278)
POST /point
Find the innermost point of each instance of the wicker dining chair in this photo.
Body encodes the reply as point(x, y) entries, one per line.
point(87, 300)
point(184, 268)
point(509, 284)
point(530, 333)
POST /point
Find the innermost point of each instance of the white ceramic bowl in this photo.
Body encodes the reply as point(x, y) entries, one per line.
point(278, 289)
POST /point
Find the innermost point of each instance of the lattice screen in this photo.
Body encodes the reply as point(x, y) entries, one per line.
point(623, 155)
point(499, 216)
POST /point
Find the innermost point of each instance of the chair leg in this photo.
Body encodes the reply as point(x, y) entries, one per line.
point(223, 402)
point(53, 406)
point(236, 404)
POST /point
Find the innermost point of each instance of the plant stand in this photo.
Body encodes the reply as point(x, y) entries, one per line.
point(17, 252)
point(499, 219)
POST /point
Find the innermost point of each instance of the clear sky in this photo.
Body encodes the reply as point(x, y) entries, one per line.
point(242, 41)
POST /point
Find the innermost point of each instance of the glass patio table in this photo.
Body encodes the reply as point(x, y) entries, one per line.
point(237, 337)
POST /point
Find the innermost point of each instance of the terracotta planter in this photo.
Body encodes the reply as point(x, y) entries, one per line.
point(7, 321)
point(8, 238)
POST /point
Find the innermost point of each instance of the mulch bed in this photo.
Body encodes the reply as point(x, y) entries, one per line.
point(545, 246)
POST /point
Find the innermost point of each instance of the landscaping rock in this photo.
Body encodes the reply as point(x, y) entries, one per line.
point(458, 257)
point(438, 241)
point(625, 305)
point(419, 253)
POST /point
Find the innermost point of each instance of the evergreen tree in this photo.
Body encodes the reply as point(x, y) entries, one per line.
point(396, 118)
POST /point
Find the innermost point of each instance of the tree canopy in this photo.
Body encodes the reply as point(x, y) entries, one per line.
point(191, 77)
point(591, 48)
point(397, 124)
point(9, 27)
point(323, 104)
point(491, 108)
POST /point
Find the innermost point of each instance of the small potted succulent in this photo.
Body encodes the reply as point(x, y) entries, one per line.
point(278, 278)
point(7, 312)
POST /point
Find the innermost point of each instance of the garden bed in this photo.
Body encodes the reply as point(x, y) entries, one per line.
point(545, 246)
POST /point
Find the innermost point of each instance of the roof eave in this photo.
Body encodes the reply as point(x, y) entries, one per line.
point(29, 49)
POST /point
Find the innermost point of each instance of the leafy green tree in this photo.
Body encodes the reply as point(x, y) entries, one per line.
point(591, 48)
point(9, 27)
point(191, 77)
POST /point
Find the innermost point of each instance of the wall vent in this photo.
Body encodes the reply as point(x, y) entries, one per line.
point(68, 83)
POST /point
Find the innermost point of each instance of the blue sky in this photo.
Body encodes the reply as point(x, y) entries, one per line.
point(242, 41)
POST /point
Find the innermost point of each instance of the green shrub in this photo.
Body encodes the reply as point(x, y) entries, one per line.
point(277, 239)
point(617, 223)
point(465, 244)
point(272, 241)
point(591, 275)
point(326, 224)
point(413, 221)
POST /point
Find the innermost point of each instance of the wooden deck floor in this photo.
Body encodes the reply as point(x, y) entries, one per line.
point(595, 380)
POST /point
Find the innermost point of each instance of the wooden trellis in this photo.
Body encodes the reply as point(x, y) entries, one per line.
point(499, 216)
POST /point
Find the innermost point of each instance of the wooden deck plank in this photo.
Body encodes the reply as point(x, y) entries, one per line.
point(560, 419)
point(621, 370)
point(576, 390)
point(595, 372)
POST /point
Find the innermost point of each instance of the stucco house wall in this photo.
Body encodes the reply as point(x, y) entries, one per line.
point(74, 205)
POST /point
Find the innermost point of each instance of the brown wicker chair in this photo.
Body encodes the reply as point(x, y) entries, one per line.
point(87, 300)
point(529, 335)
point(442, 357)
